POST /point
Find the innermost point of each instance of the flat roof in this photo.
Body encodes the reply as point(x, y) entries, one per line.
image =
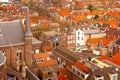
point(51, 33)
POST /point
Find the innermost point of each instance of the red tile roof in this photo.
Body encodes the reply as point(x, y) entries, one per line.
point(62, 77)
point(94, 40)
point(82, 66)
point(105, 40)
point(115, 59)
point(47, 48)
point(45, 62)
point(46, 24)
point(105, 58)
point(63, 71)
point(113, 23)
point(64, 12)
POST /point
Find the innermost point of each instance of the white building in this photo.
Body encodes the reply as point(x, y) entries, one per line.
point(4, 1)
point(82, 35)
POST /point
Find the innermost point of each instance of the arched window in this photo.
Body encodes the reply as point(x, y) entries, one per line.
point(3, 51)
point(19, 53)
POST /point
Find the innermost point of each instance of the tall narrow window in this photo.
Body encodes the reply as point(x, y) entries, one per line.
point(19, 53)
point(4, 52)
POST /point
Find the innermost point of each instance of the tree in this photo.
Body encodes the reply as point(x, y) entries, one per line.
point(96, 16)
point(90, 7)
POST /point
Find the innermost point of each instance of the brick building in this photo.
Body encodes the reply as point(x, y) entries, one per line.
point(15, 43)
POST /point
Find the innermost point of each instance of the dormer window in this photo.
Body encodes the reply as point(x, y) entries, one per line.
point(99, 77)
point(113, 76)
point(39, 60)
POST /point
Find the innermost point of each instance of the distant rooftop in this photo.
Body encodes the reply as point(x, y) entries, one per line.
point(51, 33)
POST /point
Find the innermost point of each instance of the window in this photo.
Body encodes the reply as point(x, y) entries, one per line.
point(36, 51)
point(49, 73)
point(73, 69)
point(71, 42)
point(81, 38)
point(0, 33)
point(99, 77)
point(78, 38)
point(4, 52)
point(82, 76)
point(19, 53)
point(114, 77)
point(39, 60)
point(68, 42)
point(68, 37)
point(78, 72)
point(78, 33)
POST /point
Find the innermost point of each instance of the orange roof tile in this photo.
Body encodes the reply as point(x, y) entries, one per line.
point(42, 55)
point(82, 3)
point(63, 71)
point(14, 7)
point(62, 77)
point(95, 12)
point(45, 62)
point(113, 23)
point(115, 59)
point(102, 22)
point(43, 18)
point(106, 40)
point(46, 24)
point(82, 66)
point(64, 12)
point(78, 19)
point(47, 48)
point(105, 58)
point(94, 40)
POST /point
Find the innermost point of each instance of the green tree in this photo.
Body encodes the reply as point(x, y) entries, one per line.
point(96, 16)
point(90, 7)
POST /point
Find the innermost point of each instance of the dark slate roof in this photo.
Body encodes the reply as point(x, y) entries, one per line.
point(11, 33)
point(67, 53)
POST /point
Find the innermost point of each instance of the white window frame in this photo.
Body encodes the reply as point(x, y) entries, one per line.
point(111, 76)
point(39, 60)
